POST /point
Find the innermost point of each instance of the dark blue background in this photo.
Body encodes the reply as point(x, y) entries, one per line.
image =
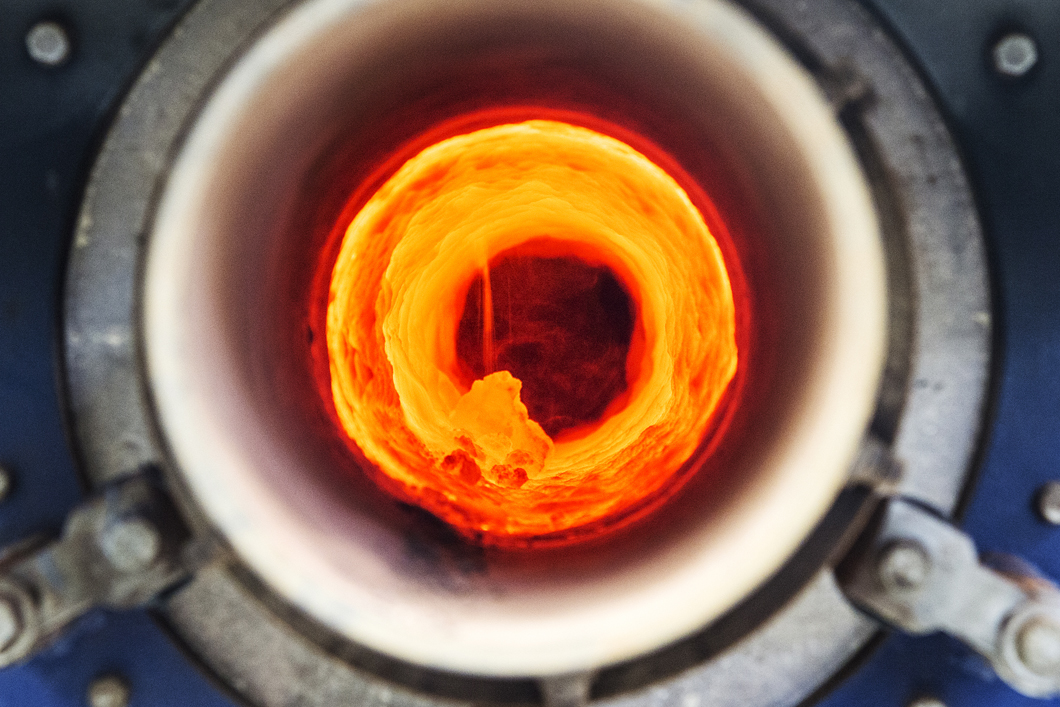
point(1009, 132)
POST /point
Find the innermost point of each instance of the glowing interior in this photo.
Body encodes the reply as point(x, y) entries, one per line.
point(581, 233)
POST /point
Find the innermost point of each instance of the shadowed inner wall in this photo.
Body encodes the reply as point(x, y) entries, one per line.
point(560, 325)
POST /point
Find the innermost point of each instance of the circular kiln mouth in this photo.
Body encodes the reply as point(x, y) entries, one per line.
point(330, 350)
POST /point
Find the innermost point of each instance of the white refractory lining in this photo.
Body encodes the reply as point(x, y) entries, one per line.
point(205, 274)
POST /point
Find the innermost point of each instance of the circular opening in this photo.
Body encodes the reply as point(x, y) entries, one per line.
point(495, 252)
point(251, 228)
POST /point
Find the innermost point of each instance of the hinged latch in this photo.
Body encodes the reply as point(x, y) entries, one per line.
point(922, 575)
point(120, 549)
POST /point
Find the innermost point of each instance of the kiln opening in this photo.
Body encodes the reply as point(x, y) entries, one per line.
point(347, 208)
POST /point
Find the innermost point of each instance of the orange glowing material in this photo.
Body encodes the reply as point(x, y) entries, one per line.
point(532, 247)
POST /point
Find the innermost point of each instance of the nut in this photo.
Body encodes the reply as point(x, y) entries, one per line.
point(131, 544)
point(903, 566)
point(926, 701)
point(109, 691)
point(1038, 646)
point(1015, 54)
point(48, 43)
point(6, 482)
point(1049, 502)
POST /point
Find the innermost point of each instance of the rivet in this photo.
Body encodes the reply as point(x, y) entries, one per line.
point(1038, 645)
point(1015, 54)
point(109, 691)
point(926, 701)
point(6, 482)
point(1049, 502)
point(48, 43)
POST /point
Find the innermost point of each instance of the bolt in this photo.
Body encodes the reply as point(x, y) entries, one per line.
point(10, 623)
point(1015, 54)
point(109, 691)
point(48, 43)
point(5, 483)
point(1038, 645)
point(131, 544)
point(926, 701)
point(903, 566)
point(1049, 502)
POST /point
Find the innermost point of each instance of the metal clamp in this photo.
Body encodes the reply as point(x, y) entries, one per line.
point(922, 575)
point(118, 550)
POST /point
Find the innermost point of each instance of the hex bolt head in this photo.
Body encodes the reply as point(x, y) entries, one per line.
point(131, 544)
point(1049, 503)
point(1038, 646)
point(48, 43)
point(10, 623)
point(903, 566)
point(926, 701)
point(1015, 54)
point(6, 482)
point(109, 691)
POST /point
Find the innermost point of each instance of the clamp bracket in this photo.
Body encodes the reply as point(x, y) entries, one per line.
point(922, 575)
point(119, 550)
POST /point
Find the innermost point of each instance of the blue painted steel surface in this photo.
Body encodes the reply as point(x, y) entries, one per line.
point(130, 645)
point(1009, 132)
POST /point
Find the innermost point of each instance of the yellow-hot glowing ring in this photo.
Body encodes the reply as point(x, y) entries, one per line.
point(472, 456)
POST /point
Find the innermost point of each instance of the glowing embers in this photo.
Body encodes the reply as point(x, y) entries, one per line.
point(541, 262)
